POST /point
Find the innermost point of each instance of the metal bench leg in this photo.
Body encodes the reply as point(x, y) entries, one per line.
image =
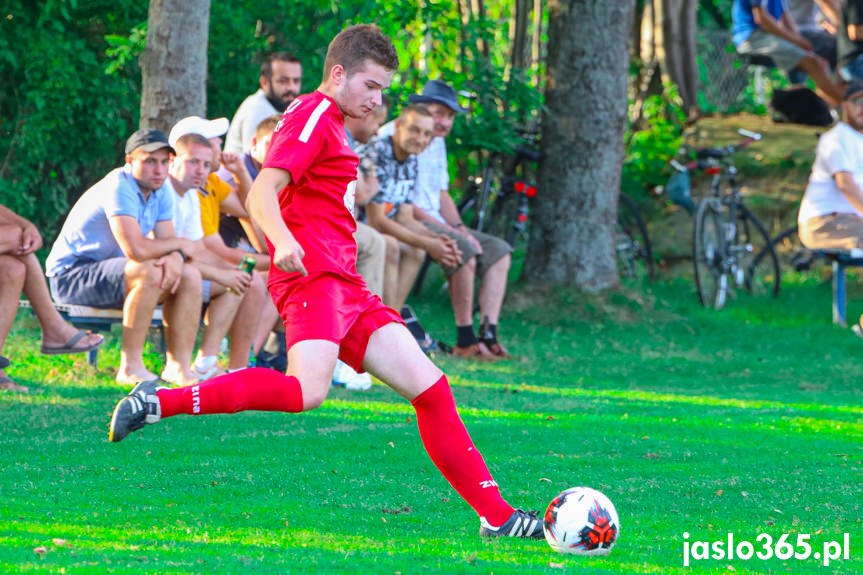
point(93, 357)
point(839, 294)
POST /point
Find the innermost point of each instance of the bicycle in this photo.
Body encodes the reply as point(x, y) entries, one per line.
point(728, 240)
point(501, 208)
point(633, 249)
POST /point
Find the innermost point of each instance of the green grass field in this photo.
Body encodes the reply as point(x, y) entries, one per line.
point(746, 420)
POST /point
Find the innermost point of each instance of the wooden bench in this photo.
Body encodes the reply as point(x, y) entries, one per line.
point(98, 319)
point(841, 259)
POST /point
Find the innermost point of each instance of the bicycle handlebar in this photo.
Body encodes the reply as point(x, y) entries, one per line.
point(720, 152)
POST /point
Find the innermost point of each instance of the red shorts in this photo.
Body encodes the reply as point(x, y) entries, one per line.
point(325, 306)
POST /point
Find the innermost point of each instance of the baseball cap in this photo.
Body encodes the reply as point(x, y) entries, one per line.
point(148, 140)
point(436, 91)
point(853, 88)
point(198, 125)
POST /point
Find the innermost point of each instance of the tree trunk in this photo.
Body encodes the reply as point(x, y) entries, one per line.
point(174, 62)
point(537, 55)
point(674, 38)
point(479, 15)
point(519, 57)
point(573, 228)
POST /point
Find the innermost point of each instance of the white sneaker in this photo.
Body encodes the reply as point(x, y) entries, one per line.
point(344, 375)
point(205, 367)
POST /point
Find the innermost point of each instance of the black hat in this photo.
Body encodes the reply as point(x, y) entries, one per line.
point(438, 92)
point(853, 88)
point(148, 140)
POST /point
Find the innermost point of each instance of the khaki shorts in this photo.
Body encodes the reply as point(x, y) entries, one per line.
point(493, 248)
point(784, 54)
point(833, 231)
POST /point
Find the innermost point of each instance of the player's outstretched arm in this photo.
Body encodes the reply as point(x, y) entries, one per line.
point(263, 206)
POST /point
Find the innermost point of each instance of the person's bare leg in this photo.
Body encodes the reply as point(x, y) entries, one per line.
point(12, 272)
point(217, 321)
point(142, 295)
point(492, 289)
point(312, 362)
point(246, 322)
point(391, 272)
point(819, 71)
point(461, 292)
point(394, 357)
point(55, 330)
point(181, 314)
point(410, 260)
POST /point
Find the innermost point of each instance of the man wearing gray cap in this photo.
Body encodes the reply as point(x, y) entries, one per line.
point(831, 212)
point(483, 255)
point(106, 257)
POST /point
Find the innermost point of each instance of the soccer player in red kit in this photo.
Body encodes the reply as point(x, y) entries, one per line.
point(303, 200)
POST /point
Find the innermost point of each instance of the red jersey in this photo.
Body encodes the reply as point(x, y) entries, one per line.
point(310, 142)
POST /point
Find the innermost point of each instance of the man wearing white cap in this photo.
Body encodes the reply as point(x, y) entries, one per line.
point(218, 197)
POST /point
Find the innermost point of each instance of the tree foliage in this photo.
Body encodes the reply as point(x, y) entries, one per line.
point(62, 120)
point(71, 82)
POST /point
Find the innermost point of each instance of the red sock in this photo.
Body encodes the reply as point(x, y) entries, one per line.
point(257, 388)
point(448, 444)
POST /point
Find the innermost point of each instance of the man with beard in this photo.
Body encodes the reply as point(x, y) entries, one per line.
point(831, 212)
point(281, 78)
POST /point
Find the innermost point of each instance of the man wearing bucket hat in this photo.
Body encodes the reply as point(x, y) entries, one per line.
point(831, 212)
point(107, 257)
point(483, 255)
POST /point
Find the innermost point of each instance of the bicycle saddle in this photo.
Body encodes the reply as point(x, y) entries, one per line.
point(528, 153)
point(715, 153)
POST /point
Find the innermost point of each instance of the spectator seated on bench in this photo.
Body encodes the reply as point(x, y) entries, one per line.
point(482, 256)
point(841, 259)
point(763, 28)
point(118, 250)
point(831, 212)
point(20, 271)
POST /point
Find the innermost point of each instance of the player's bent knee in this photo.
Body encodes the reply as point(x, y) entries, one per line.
point(314, 398)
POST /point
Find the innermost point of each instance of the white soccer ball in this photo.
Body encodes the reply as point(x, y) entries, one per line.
point(581, 521)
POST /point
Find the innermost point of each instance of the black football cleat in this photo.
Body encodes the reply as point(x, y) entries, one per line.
point(141, 407)
point(520, 524)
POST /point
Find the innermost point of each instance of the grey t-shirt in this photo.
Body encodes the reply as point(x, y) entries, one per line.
point(397, 179)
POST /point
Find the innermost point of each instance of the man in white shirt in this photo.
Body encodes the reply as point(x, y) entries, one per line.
point(831, 212)
point(280, 81)
point(484, 256)
point(224, 286)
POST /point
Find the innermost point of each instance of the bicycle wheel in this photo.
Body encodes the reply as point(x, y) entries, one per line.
point(632, 245)
point(758, 261)
point(711, 281)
